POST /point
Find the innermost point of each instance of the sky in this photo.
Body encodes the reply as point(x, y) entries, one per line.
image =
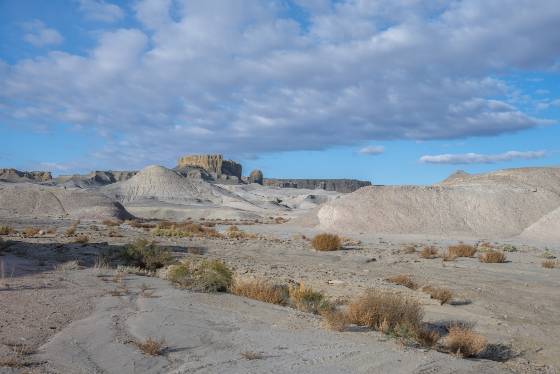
point(391, 91)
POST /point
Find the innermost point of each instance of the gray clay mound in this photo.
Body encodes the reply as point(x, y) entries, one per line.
point(31, 200)
point(500, 204)
point(546, 229)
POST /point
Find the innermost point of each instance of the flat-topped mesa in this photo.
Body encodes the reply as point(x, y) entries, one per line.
point(213, 164)
point(14, 175)
point(338, 185)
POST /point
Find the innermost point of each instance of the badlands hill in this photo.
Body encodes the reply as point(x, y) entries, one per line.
point(500, 204)
point(32, 200)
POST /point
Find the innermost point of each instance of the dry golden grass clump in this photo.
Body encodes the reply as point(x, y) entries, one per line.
point(461, 250)
point(71, 231)
point(429, 252)
point(464, 342)
point(112, 223)
point(403, 280)
point(7, 230)
point(140, 224)
point(201, 275)
point(492, 257)
point(335, 319)
point(444, 295)
point(549, 264)
point(250, 355)
point(448, 256)
point(326, 242)
point(426, 337)
point(152, 347)
point(261, 290)
point(82, 239)
point(408, 249)
point(307, 300)
point(187, 229)
point(30, 232)
point(235, 233)
point(146, 255)
point(386, 312)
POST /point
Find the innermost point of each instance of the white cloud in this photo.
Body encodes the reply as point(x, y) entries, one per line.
point(476, 158)
point(38, 34)
point(100, 10)
point(240, 76)
point(372, 150)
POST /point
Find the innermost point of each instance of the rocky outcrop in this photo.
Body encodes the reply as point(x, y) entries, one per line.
point(14, 175)
point(338, 185)
point(213, 164)
point(95, 178)
point(256, 176)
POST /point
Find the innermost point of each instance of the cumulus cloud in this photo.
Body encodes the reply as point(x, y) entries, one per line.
point(243, 76)
point(100, 10)
point(38, 34)
point(372, 150)
point(476, 158)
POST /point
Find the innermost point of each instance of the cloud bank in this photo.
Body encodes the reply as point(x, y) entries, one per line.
point(476, 158)
point(242, 76)
point(39, 35)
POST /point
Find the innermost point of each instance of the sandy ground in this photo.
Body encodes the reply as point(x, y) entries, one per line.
point(68, 321)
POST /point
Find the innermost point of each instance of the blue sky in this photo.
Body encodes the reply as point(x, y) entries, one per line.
point(390, 91)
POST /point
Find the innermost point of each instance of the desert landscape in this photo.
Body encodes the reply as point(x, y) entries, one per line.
point(199, 269)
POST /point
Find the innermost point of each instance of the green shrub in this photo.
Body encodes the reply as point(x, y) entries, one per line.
point(307, 300)
point(146, 255)
point(201, 275)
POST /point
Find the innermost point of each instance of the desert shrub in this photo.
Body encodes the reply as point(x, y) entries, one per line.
point(509, 248)
point(146, 255)
point(386, 312)
point(111, 223)
point(82, 239)
point(71, 231)
point(280, 220)
point(403, 280)
point(201, 275)
point(461, 250)
point(140, 224)
point(493, 257)
point(408, 249)
point(426, 337)
point(307, 300)
point(429, 252)
point(548, 255)
point(261, 290)
point(152, 347)
point(235, 233)
point(30, 232)
point(444, 295)
point(182, 230)
point(335, 319)
point(447, 256)
point(549, 264)
point(326, 242)
point(6, 230)
point(464, 342)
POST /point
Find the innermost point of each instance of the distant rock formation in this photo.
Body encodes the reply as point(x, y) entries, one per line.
point(223, 171)
point(14, 175)
point(95, 178)
point(338, 185)
point(256, 176)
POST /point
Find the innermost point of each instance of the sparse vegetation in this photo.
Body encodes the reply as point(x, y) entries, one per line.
point(250, 355)
point(335, 319)
point(408, 249)
point(201, 275)
point(429, 252)
point(548, 255)
point(82, 239)
point(7, 230)
point(326, 242)
point(461, 250)
point(444, 295)
point(261, 290)
point(386, 312)
point(426, 337)
point(152, 347)
point(307, 300)
point(30, 232)
point(547, 264)
point(71, 231)
point(403, 280)
point(462, 341)
point(183, 230)
point(235, 233)
point(146, 255)
point(492, 257)
point(112, 223)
